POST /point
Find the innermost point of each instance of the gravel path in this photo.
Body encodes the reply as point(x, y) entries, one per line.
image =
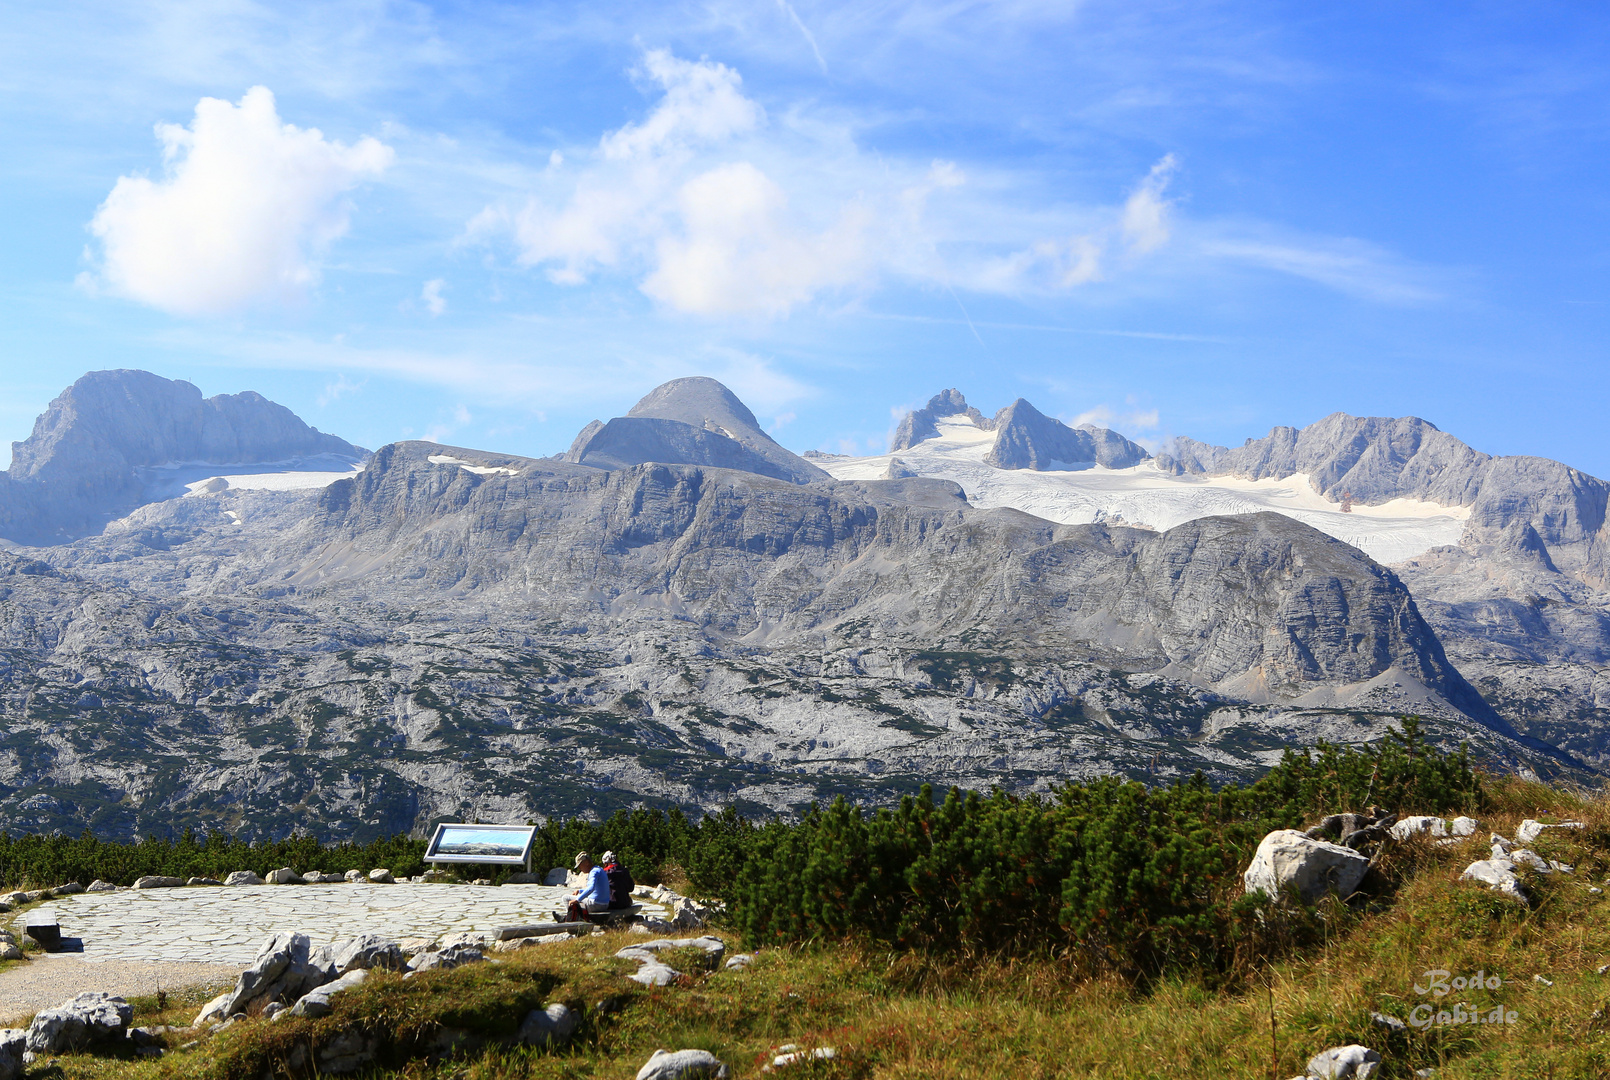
point(50, 979)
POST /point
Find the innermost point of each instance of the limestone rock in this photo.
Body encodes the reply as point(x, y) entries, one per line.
point(382, 877)
point(655, 973)
point(101, 886)
point(445, 959)
point(286, 876)
point(157, 881)
point(1529, 830)
point(739, 961)
point(365, 952)
point(1314, 867)
point(353, 875)
point(72, 888)
point(87, 1019)
point(1498, 874)
point(1352, 1062)
point(1465, 826)
point(557, 876)
point(551, 1024)
point(243, 877)
point(316, 1002)
point(13, 1045)
point(283, 970)
point(683, 1065)
point(1413, 826)
point(516, 944)
point(794, 1055)
point(203, 881)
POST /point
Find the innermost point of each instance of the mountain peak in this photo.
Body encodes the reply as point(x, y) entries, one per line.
point(80, 466)
point(690, 421)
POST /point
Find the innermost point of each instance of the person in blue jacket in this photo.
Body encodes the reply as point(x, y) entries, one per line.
point(594, 892)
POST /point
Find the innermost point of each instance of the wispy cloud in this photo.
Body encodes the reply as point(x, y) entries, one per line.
point(1350, 266)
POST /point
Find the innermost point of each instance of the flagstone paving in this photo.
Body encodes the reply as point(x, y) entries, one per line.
point(211, 924)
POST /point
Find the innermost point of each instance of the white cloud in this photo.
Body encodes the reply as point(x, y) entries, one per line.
point(1140, 227)
point(714, 212)
point(702, 104)
point(1105, 416)
point(1145, 221)
point(435, 303)
point(338, 389)
point(1350, 266)
point(246, 208)
point(737, 254)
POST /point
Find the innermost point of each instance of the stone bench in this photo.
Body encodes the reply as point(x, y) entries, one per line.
point(41, 925)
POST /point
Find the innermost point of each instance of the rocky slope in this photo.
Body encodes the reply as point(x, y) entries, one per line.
point(455, 632)
point(84, 464)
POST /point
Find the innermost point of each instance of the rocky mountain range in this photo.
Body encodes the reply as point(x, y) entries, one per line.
point(679, 610)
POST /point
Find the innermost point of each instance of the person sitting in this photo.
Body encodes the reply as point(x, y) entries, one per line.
point(620, 882)
point(593, 896)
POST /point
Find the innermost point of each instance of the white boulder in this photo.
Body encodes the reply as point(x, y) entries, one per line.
point(1353, 1062)
point(1413, 826)
point(286, 876)
point(1465, 826)
point(683, 1065)
point(1291, 858)
point(1498, 874)
point(158, 881)
point(243, 877)
point(88, 1018)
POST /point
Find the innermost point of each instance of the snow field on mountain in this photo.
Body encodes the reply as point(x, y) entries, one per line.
point(1144, 496)
point(201, 477)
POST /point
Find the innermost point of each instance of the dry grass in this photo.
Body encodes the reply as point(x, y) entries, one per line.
point(907, 1016)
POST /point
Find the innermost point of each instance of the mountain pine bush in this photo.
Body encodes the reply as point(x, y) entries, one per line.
point(1110, 872)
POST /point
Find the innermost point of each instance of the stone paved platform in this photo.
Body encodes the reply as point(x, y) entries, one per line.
point(203, 924)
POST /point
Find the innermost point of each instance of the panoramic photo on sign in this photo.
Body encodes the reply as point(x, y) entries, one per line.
point(481, 843)
point(986, 540)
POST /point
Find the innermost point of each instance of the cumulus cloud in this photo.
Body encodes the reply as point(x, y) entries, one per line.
point(736, 253)
point(703, 235)
point(713, 210)
point(244, 211)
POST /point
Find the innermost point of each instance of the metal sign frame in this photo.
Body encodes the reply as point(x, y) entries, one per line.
point(513, 837)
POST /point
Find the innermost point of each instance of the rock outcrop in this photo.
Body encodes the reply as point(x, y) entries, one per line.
point(920, 424)
point(1026, 438)
point(86, 1020)
point(1288, 859)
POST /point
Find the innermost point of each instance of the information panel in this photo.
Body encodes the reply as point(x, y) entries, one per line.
point(453, 843)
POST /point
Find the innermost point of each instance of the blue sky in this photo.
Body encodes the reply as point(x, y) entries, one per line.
point(490, 224)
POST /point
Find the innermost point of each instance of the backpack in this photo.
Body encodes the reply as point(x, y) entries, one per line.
point(620, 886)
